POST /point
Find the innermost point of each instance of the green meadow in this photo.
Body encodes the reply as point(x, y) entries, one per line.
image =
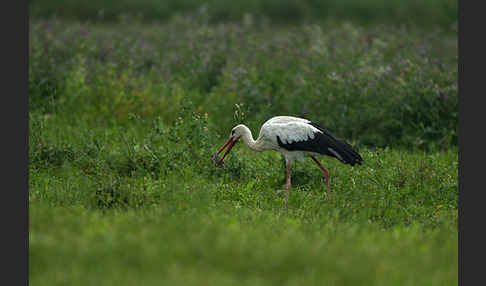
point(126, 113)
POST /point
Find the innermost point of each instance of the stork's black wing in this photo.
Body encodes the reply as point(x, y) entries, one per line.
point(325, 143)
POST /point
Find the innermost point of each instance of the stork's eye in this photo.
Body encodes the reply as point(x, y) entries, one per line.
point(232, 132)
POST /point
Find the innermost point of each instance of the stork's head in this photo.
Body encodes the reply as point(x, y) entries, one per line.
point(235, 135)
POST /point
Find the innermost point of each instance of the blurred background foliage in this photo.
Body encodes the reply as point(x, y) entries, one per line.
point(392, 82)
point(423, 13)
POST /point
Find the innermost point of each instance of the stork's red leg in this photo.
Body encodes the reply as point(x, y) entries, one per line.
point(287, 187)
point(326, 175)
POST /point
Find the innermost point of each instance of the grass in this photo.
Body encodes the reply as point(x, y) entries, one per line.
point(423, 13)
point(101, 205)
point(192, 244)
point(124, 120)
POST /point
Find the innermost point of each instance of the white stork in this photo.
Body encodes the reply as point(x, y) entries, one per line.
point(296, 138)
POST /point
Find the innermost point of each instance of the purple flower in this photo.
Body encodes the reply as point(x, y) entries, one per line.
point(84, 33)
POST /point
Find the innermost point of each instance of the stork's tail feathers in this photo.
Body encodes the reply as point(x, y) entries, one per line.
point(345, 153)
point(334, 147)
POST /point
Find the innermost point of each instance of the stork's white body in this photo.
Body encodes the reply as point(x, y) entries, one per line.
point(289, 129)
point(296, 138)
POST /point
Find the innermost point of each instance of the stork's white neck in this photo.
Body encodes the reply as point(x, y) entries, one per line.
point(247, 138)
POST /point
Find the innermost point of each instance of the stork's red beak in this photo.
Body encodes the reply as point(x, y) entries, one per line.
point(229, 143)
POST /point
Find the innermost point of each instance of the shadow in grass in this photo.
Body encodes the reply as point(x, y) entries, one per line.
point(111, 196)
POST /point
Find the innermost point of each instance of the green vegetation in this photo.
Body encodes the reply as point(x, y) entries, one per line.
point(125, 117)
point(423, 13)
point(383, 86)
